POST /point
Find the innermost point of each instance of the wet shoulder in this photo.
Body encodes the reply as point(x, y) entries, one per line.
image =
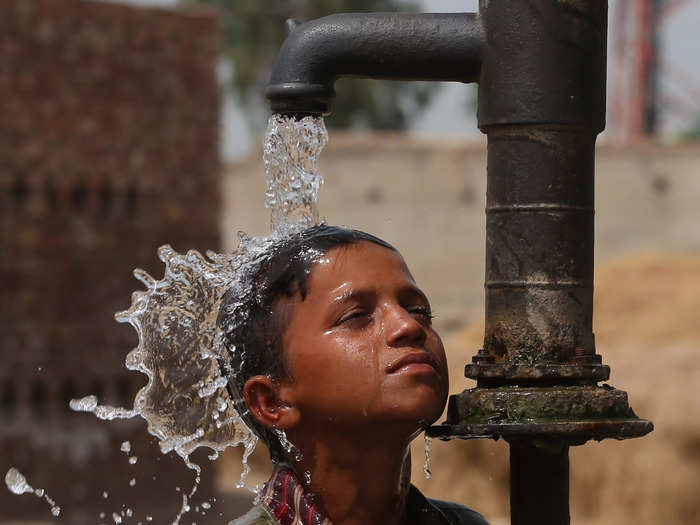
point(458, 514)
point(258, 515)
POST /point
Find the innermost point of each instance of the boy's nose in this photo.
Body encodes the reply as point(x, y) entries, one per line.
point(403, 329)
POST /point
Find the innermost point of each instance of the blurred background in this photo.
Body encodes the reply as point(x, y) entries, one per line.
point(128, 125)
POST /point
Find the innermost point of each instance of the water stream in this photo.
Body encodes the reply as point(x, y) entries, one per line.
point(426, 466)
point(185, 402)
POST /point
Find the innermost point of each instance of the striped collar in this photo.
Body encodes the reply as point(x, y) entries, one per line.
point(285, 498)
point(288, 501)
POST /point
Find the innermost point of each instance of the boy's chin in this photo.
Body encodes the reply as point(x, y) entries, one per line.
point(419, 416)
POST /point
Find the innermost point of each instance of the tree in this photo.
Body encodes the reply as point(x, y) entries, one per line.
point(254, 31)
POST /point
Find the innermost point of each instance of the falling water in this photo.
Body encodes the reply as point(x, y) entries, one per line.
point(290, 152)
point(426, 466)
point(17, 484)
point(186, 403)
point(287, 445)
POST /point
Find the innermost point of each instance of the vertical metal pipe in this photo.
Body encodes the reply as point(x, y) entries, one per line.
point(539, 234)
point(541, 104)
point(539, 484)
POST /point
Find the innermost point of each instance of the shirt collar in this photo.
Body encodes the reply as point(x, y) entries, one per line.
point(288, 501)
point(291, 504)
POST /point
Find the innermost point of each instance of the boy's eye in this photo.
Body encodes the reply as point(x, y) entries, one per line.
point(422, 311)
point(355, 313)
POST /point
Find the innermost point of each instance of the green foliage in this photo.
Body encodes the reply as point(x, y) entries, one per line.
point(254, 31)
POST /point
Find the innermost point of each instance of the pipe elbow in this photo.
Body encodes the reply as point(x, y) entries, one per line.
point(397, 46)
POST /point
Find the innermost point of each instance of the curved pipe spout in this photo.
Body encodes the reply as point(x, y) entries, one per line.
point(397, 46)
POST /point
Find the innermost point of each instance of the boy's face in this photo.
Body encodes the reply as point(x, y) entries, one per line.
point(360, 349)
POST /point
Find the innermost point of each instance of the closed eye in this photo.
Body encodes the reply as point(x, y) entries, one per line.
point(422, 311)
point(353, 315)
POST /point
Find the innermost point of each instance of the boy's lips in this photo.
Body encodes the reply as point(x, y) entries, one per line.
point(412, 358)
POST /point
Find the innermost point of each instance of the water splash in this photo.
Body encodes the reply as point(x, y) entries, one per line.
point(185, 402)
point(426, 466)
point(287, 445)
point(17, 484)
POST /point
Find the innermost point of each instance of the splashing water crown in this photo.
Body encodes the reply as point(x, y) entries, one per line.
point(185, 402)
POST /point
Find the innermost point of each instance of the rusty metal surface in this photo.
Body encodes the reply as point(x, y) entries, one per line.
point(539, 244)
point(561, 403)
point(498, 374)
point(568, 414)
point(569, 432)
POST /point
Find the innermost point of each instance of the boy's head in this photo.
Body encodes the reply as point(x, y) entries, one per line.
point(336, 331)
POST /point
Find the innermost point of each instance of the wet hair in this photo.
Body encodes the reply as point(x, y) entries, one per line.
point(254, 340)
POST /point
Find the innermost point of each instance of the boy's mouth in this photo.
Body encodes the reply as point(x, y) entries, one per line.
point(415, 360)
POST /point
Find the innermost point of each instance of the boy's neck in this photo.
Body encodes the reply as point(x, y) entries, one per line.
point(357, 481)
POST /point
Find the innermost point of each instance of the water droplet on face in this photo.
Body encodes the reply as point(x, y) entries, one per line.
point(56, 510)
point(132, 482)
point(105, 495)
point(125, 447)
point(116, 517)
point(133, 460)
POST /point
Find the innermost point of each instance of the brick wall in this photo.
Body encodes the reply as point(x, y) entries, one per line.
point(108, 149)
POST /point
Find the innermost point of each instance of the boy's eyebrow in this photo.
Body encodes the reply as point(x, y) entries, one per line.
point(349, 294)
point(414, 291)
point(406, 291)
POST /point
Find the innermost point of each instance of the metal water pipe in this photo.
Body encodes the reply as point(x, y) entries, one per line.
point(540, 66)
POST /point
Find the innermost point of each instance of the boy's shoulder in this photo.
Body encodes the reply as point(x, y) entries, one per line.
point(426, 511)
point(458, 514)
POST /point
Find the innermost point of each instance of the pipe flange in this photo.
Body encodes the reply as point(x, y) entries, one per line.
point(569, 432)
point(572, 414)
point(518, 404)
point(496, 374)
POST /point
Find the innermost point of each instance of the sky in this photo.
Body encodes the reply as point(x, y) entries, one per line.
point(680, 44)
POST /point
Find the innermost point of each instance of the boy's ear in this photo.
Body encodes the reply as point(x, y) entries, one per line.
point(262, 396)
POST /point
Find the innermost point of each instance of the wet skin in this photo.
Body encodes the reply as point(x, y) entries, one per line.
point(365, 372)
